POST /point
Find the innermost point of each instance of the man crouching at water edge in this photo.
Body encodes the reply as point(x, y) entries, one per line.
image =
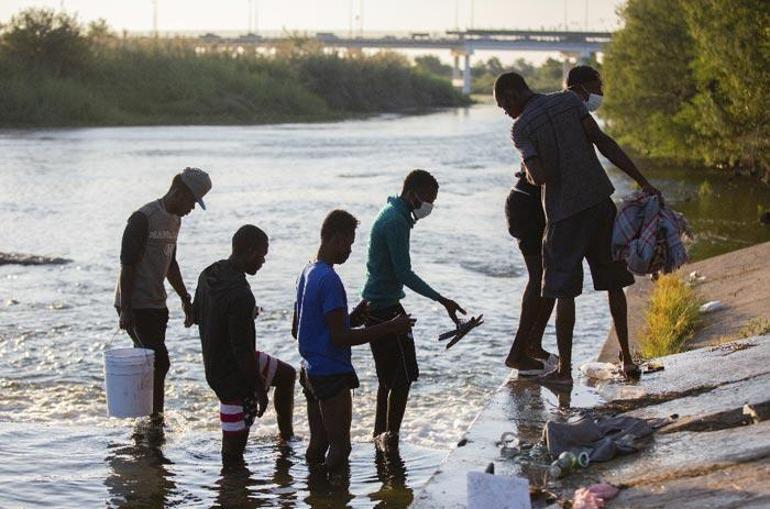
point(147, 258)
point(389, 269)
point(555, 136)
point(325, 333)
point(239, 374)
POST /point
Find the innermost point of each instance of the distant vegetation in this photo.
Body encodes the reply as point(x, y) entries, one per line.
point(544, 78)
point(687, 82)
point(670, 319)
point(56, 72)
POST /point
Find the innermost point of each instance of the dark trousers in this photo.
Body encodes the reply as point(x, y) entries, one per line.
point(149, 331)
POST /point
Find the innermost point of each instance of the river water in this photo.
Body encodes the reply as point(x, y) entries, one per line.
point(68, 193)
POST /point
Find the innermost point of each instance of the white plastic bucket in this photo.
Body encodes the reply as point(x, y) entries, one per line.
point(128, 378)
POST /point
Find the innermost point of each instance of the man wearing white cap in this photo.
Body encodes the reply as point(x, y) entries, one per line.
point(147, 259)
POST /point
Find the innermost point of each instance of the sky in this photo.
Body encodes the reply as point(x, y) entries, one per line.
point(334, 15)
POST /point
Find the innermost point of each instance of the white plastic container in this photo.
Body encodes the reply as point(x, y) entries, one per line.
point(128, 379)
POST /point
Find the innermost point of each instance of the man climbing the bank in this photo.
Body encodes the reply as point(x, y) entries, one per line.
point(147, 259)
point(555, 136)
point(526, 222)
point(240, 375)
point(389, 269)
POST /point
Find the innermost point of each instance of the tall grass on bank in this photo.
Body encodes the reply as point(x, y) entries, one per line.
point(143, 86)
point(671, 317)
point(106, 80)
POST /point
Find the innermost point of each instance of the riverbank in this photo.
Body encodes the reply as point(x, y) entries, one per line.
point(739, 280)
point(56, 73)
point(714, 452)
point(145, 85)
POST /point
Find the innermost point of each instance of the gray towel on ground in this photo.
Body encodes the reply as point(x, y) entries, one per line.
point(602, 438)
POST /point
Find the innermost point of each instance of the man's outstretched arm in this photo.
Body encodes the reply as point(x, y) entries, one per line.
point(398, 246)
point(612, 151)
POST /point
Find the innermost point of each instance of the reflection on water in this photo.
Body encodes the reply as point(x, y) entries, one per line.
point(151, 469)
point(139, 476)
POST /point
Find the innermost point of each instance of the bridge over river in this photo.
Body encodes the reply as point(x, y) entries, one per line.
point(573, 46)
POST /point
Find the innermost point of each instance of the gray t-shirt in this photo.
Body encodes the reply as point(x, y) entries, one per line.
point(152, 259)
point(550, 128)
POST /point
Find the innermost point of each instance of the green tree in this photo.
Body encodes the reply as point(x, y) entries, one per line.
point(432, 64)
point(548, 77)
point(732, 73)
point(648, 79)
point(45, 39)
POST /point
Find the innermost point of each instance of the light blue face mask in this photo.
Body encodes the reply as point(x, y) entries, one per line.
point(423, 210)
point(594, 101)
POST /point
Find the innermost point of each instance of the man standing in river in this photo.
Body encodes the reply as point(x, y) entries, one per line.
point(147, 259)
point(556, 135)
point(325, 331)
point(388, 270)
point(239, 374)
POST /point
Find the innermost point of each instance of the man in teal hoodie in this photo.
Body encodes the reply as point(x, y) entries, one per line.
point(389, 269)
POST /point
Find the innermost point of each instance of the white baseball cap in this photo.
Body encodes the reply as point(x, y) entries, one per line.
point(199, 183)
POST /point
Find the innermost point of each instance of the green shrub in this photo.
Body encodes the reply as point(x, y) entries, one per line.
point(671, 317)
point(154, 81)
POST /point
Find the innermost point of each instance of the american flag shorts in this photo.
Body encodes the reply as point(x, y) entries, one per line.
point(232, 417)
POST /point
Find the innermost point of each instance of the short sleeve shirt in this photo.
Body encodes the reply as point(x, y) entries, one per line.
point(550, 128)
point(319, 292)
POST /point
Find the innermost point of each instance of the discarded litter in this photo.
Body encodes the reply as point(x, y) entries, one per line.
point(711, 306)
point(508, 439)
point(487, 490)
point(600, 371)
point(695, 277)
point(652, 367)
point(568, 462)
point(595, 496)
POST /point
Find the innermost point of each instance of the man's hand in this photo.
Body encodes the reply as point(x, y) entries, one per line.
point(401, 324)
point(360, 314)
point(126, 320)
point(262, 401)
point(189, 319)
point(452, 308)
point(652, 190)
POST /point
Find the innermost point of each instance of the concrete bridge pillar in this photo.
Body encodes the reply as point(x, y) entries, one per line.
point(467, 74)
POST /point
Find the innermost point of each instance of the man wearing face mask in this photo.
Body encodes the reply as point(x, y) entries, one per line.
point(555, 136)
point(389, 269)
point(526, 222)
point(586, 82)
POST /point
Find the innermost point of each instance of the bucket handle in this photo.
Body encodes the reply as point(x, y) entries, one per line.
point(146, 355)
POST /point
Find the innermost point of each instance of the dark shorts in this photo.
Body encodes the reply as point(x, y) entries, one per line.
point(322, 388)
point(526, 221)
point(394, 357)
point(149, 331)
point(588, 235)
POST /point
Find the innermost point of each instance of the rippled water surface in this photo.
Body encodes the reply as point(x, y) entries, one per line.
point(68, 193)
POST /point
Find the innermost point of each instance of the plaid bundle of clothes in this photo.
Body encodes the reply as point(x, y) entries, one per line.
point(649, 237)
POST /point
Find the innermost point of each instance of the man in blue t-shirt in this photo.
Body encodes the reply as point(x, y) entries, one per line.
point(322, 326)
